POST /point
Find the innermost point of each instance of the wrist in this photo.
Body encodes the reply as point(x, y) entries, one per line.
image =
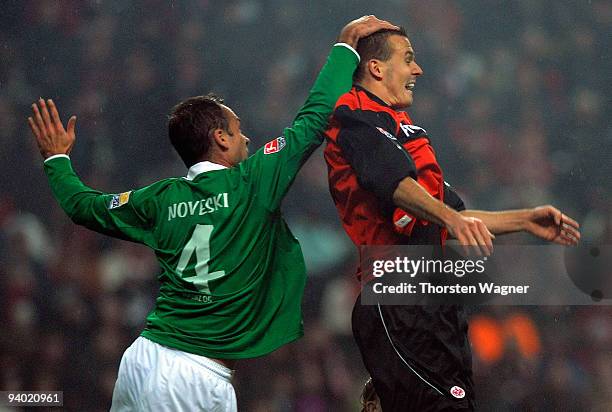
point(526, 219)
point(447, 215)
point(54, 156)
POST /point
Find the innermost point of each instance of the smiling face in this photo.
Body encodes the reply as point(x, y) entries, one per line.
point(398, 74)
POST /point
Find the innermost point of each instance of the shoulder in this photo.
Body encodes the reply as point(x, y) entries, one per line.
point(156, 189)
point(357, 108)
point(349, 99)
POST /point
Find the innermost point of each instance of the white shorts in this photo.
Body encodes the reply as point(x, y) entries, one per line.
point(153, 377)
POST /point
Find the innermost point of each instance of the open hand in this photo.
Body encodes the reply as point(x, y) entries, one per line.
point(362, 27)
point(472, 234)
point(548, 223)
point(49, 131)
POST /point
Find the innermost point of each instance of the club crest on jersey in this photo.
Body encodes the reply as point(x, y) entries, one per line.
point(119, 200)
point(386, 133)
point(457, 392)
point(275, 145)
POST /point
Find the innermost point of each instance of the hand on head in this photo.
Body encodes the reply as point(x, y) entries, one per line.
point(362, 27)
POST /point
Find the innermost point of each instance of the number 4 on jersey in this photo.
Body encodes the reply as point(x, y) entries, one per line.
point(200, 243)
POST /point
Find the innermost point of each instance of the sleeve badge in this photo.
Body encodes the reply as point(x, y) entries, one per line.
point(275, 145)
point(119, 200)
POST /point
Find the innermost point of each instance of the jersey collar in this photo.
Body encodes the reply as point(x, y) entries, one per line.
point(371, 95)
point(203, 167)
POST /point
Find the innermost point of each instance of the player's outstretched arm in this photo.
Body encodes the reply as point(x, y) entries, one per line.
point(468, 230)
point(121, 216)
point(545, 222)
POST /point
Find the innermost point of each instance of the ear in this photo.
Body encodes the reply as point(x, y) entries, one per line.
point(376, 69)
point(219, 136)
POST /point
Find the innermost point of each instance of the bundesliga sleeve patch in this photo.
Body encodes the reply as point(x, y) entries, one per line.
point(275, 145)
point(119, 200)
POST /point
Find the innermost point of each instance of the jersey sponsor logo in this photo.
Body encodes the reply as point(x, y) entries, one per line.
point(119, 200)
point(275, 145)
point(198, 207)
point(412, 131)
point(403, 221)
point(457, 392)
point(386, 133)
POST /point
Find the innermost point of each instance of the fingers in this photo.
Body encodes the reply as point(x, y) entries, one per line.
point(486, 237)
point(71, 125)
point(34, 128)
point(570, 234)
point(475, 237)
point(569, 221)
point(475, 243)
point(464, 242)
point(373, 24)
point(45, 115)
point(49, 131)
point(556, 216)
point(40, 124)
point(57, 122)
point(362, 27)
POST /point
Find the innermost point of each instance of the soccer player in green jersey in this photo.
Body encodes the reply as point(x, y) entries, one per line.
point(232, 273)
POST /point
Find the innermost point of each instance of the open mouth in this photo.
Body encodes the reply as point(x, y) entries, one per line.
point(410, 86)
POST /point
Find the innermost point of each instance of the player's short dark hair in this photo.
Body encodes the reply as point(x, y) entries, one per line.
point(191, 124)
point(374, 46)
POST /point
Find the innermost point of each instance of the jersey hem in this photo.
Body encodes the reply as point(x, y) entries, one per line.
point(197, 350)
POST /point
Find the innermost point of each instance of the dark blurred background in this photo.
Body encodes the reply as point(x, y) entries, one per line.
point(515, 96)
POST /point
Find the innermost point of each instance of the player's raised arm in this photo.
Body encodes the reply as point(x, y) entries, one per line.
point(276, 165)
point(120, 215)
point(336, 77)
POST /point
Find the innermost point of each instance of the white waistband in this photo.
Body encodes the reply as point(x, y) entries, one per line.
point(216, 368)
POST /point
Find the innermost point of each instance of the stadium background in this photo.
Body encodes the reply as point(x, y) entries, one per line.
point(516, 97)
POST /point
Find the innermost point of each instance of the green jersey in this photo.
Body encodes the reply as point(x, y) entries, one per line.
point(233, 275)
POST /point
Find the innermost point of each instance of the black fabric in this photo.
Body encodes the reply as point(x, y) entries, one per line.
point(379, 161)
point(452, 199)
point(431, 339)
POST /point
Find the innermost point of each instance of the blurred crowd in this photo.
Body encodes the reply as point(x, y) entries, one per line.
point(516, 100)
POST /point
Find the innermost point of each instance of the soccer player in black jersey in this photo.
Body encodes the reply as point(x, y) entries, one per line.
point(389, 189)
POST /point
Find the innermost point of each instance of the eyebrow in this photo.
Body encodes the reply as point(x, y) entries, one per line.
point(410, 53)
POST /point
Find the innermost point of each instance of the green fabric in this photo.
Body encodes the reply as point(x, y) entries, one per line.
point(245, 300)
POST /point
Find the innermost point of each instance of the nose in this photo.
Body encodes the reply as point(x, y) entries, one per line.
point(416, 70)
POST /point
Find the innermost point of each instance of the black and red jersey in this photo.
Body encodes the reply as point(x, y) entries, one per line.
point(370, 149)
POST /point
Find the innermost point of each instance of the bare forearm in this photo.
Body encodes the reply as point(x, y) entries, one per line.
point(413, 198)
point(469, 231)
point(499, 223)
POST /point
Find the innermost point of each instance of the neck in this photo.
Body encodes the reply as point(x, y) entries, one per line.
point(217, 158)
point(376, 88)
